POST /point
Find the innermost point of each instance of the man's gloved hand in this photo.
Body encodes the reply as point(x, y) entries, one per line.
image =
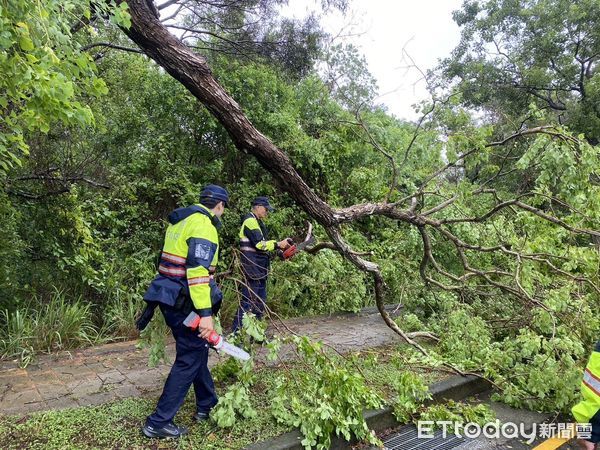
point(285, 243)
point(142, 322)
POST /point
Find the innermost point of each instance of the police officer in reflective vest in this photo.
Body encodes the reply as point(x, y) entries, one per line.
point(255, 248)
point(184, 284)
point(588, 409)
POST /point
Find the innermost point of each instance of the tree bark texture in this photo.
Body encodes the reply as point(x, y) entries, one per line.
point(191, 70)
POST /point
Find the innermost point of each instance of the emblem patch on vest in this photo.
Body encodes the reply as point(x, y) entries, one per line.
point(202, 252)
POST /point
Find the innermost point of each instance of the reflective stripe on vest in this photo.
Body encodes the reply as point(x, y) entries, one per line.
point(246, 246)
point(174, 259)
point(198, 280)
point(171, 271)
point(591, 381)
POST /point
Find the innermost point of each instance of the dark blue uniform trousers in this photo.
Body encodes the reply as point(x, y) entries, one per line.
point(254, 297)
point(190, 367)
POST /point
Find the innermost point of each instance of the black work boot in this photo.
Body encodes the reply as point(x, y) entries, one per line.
point(201, 416)
point(170, 430)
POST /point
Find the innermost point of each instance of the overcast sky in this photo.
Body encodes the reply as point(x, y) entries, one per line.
point(424, 28)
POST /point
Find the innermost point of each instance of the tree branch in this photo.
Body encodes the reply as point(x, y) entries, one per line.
point(378, 147)
point(193, 72)
point(73, 179)
point(166, 4)
point(109, 45)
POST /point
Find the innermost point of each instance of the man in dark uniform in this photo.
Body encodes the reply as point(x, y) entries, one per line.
point(184, 284)
point(255, 248)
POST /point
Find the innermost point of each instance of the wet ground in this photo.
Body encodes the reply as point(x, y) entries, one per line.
point(119, 370)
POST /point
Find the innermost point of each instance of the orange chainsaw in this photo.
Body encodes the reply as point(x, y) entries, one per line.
point(296, 248)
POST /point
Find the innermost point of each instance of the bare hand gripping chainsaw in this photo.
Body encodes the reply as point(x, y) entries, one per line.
point(215, 340)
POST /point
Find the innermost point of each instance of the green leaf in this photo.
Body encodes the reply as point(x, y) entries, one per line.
point(26, 43)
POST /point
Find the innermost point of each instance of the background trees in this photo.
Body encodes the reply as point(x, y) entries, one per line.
point(516, 53)
point(483, 227)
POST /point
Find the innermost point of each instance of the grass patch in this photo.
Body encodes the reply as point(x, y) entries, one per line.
point(117, 425)
point(56, 325)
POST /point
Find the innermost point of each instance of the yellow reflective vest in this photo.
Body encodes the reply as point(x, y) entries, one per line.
point(589, 406)
point(255, 247)
point(191, 248)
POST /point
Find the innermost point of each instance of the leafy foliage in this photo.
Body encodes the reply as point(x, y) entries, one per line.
point(542, 51)
point(322, 395)
point(330, 402)
point(411, 392)
point(43, 72)
point(83, 214)
point(459, 413)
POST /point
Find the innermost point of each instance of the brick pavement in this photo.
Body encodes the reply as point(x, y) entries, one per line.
point(119, 370)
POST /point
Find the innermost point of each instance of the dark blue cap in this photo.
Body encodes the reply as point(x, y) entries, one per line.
point(216, 192)
point(263, 201)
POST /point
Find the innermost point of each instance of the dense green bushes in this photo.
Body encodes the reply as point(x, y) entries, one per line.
point(152, 149)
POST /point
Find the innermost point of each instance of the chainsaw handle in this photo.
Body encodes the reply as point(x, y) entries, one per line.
point(289, 252)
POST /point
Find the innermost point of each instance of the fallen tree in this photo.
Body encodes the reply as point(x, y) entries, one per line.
point(192, 70)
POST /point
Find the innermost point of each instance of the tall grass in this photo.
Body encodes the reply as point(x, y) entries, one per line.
point(56, 325)
point(125, 280)
point(16, 334)
point(120, 314)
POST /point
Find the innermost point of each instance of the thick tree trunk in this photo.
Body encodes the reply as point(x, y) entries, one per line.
point(192, 71)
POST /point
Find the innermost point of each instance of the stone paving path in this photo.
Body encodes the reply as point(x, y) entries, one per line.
point(115, 371)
